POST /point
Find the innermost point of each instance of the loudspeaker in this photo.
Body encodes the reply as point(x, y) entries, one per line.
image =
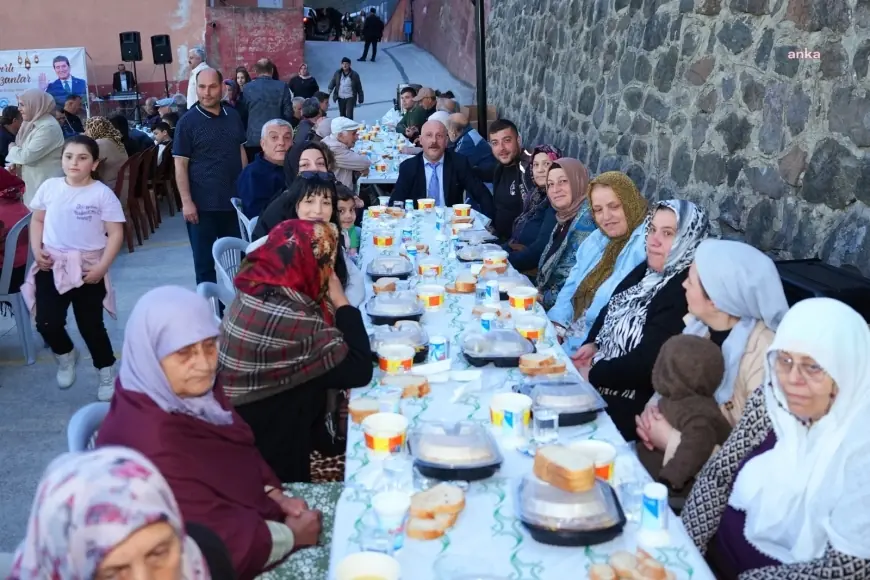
point(131, 47)
point(161, 49)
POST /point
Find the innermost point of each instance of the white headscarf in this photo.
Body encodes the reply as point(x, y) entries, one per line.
point(810, 490)
point(743, 282)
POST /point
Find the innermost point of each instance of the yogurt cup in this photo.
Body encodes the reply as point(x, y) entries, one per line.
point(426, 204)
point(395, 358)
point(377, 211)
point(391, 510)
point(384, 239)
point(523, 298)
point(532, 327)
point(385, 432)
point(366, 565)
point(384, 200)
point(431, 295)
point(495, 258)
point(462, 210)
point(510, 414)
point(603, 454)
point(429, 265)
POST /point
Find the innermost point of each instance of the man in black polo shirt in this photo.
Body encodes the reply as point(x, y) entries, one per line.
point(209, 156)
point(508, 184)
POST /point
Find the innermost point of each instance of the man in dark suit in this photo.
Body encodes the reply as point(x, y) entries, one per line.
point(123, 80)
point(66, 84)
point(440, 174)
point(373, 30)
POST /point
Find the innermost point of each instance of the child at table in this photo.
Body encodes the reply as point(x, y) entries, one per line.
point(347, 218)
point(75, 233)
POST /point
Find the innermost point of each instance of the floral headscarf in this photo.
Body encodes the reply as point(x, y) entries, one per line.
point(88, 503)
point(101, 128)
point(534, 198)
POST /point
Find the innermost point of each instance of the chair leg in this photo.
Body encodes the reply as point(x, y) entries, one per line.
point(25, 328)
point(128, 231)
point(170, 197)
point(133, 206)
point(152, 192)
point(148, 210)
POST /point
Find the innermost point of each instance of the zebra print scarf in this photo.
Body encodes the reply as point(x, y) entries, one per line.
point(626, 314)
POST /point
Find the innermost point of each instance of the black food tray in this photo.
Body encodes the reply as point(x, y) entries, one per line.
point(376, 277)
point(457, 474)
point(463, 260)
point(420, 357)
point(574, 538)
point(574, 419)
point(501, 362)
point(383, 320)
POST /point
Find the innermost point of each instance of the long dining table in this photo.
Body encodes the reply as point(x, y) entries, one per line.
point(487, 536)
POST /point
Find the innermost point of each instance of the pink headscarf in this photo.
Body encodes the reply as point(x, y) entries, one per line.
point(38, 104)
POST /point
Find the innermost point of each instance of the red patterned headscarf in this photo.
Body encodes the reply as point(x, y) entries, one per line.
point(299, 256)
point(11, 186)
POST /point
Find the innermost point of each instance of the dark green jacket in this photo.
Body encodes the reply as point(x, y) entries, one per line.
point(414, 118)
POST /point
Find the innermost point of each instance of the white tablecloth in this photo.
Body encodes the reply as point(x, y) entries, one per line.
point(387, 143)
point(487, 532)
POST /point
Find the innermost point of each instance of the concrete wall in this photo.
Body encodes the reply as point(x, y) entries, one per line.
point(95, 24)
point(709, 100)
point(394, 30)
point(241, 36)
point(445, 28)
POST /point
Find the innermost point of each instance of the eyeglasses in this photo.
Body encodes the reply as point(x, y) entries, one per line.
point(785, 362)
point(324, 175)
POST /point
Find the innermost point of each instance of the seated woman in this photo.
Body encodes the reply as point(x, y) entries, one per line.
point(647, 308)
point(533, 226)
point(113, 155)
point(12, 209)
point(289, 337)
point(307, 157)
point(735, 298)
point(604, 258)
point(76, 529)
point(786, 496)
point(168, 406)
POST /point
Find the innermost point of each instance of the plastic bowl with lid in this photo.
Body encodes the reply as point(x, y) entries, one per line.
point(461, 210)
point(385, 432)
point(523, 298)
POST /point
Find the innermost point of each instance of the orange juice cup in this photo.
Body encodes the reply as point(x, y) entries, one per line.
point(495, 258)
point(431, 295)
point(462, 210)
point(604, 455)
point(523, 298)
point(429, 265)
point(383, 240)
point(427, 203)
point(377, 211)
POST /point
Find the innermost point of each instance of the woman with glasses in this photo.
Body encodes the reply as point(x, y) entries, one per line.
point(735, 299)
point(786, 497)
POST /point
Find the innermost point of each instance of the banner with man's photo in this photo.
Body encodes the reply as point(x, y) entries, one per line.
point(61, 72)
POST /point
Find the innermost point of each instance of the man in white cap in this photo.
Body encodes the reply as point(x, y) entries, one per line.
point(341, 141)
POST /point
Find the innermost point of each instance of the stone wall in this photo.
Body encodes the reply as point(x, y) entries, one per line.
point(707, 100)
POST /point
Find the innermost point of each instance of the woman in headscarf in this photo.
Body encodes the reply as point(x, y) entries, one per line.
point(169, 407)
point(232, 92)
point(735, 298)
point(288, 339)
point(35, 155)
point(566, 190)
point(604, 258)
point(647, 308)
point(786, 496)
point(532, 228)
point(303, 85)
point(113, 154)
point(100, 512)
point(309, 156)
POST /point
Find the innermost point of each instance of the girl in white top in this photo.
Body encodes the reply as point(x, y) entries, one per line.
point(75, 234)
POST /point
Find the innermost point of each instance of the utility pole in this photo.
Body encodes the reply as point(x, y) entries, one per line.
point(480, 19)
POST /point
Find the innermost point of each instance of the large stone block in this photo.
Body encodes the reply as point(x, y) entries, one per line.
point(666, 69)
point(736, 36)
point(831, 176)
point(736, 132)
point(699, 72)
point(710, 168)
point(850, 115)
point(814, 15)
point(656, 108)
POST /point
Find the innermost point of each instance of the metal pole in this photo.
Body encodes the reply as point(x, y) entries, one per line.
point(480, 19)
point(136, 115)
point(166, 79)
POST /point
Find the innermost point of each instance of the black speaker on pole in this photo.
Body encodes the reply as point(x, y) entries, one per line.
point(161, 49)
point(131, 47)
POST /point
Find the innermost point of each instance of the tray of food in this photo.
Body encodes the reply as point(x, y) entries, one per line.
point(387, 309)
point(462, 451)
point(474, 236)
point(407, 332)
point(503, 348)
point(561, 518)
point(473, 253)
point(576, 401)
point(390, 266)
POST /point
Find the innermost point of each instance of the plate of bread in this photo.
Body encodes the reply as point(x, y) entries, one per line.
point(541, 364)
point(434, 511)
point(461, 451)
point(627, 566)
point(503, 348)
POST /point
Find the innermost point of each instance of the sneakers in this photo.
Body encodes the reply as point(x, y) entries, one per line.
point(66, 369)
point(107, 384)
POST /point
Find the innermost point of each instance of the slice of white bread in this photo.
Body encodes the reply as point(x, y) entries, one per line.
point(602, 572)
point(537, 360)
point(566, 468)
point(466, 282)
point(441, 499)
point(385, 285)
point(360, 408)
point(624, 564)
point(411, 385)
point(430, 529)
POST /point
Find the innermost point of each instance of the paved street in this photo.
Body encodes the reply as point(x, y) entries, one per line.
point(34, 412)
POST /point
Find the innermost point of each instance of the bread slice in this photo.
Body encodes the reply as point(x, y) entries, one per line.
point(466, 283)
point(566, 468)
point(430, 529)
point(441, 499)
point(624, 564)
point(361, 408)
point(386, 285)
point(537, 361)
point(412, 385)
point(650, 569)
point(602, 572)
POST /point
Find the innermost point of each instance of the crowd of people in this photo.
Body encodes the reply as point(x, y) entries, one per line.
point(749, 411)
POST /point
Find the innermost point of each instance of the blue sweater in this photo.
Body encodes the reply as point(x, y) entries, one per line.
point(535, 236)
point(259, 183)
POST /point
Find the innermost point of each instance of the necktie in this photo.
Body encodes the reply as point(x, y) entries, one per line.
point(434, 190)
point(66, 86)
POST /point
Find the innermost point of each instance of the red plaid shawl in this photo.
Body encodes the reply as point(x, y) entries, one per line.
point(278, 332)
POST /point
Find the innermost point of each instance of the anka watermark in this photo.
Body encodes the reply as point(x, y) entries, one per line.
point(805, 54)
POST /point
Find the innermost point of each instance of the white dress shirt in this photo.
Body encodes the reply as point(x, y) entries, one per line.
point(123, 76)
point(439, 167)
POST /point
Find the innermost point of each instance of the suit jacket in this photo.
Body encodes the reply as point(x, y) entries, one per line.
point(459, 179)
point(264, 99)
point(78, 87)
point(116, 81)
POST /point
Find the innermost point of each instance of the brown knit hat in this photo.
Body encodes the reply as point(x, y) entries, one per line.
point(688, 366)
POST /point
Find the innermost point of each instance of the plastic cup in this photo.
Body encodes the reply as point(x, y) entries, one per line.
point(531, 327)
point(431, 295)
point(395, 358)
point(385, 432)
point(495, 258)
point(511, 413)
point(457, 227)
point(523, 298)
point(377, 211)
point(368, 565)
point(426, 204)
point(384, 240)
point(604, 455)
point(430, 265)
point(391, 509)
point(462, 210)
point(384, 200)
point(390, 401)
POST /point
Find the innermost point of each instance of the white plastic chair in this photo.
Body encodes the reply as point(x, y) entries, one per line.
point(217, 294)
point(251, 226)
point(244, 223)
point(16, 300)
point(84, 424)
point(227, 254)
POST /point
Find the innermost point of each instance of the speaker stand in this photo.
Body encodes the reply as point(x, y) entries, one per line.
point(137, 113)
point(166, 80)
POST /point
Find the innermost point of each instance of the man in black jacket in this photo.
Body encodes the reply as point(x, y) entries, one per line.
point(373, 30)
point(346, 89)
point(306, 131)
point(508, 183)
point(440, 174)
point(264, 99)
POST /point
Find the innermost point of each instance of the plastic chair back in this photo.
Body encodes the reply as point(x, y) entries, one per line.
point(84, 425)
point(23, 321)
point(244, 223)
point(217, 295)
point(227, 254)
